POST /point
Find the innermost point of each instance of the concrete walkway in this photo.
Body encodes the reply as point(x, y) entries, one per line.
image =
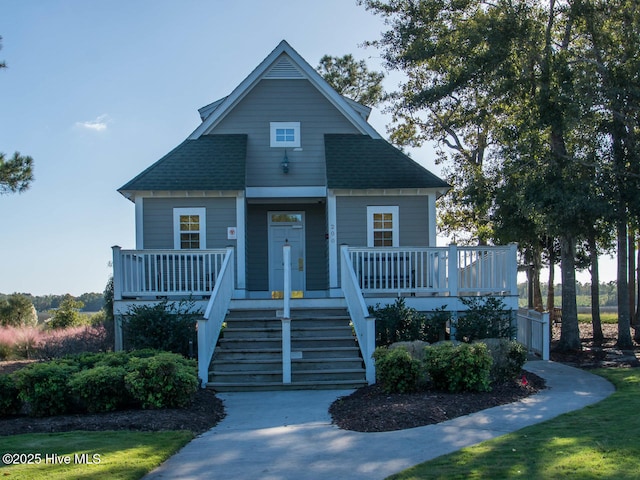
point(289, 435)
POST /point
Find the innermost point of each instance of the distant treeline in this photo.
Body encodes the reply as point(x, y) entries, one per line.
point(608, 293)
point(93, 302)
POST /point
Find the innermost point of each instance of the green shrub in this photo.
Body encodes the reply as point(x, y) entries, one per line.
point(44, 388)
point(5, 350)
point(434, 328)
point(484, 318)
point(459, 368)
point(163, 326)
point(397, 323)
point(509, 356)
point(396, 370)
point(164, 381)
point(10, 403)
point(100, 389)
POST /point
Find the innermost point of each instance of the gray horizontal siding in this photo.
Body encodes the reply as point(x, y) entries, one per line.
point(158, 220)
point(285, 101)
point(352, 219)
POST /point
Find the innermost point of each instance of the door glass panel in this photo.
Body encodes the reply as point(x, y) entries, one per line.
point(286, 218)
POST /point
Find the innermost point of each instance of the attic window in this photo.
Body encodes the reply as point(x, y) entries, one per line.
point(285, 134)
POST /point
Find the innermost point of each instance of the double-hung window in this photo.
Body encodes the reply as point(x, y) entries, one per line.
point(189, 228)
point(285, 134)
point(382, 226)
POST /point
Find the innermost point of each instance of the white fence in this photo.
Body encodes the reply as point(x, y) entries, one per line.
point(141, 273)
point(533, 331)
point(210, 325)
point(363, 323)
point(449, 271)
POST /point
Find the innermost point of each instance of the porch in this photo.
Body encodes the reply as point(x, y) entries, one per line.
point(428, 278)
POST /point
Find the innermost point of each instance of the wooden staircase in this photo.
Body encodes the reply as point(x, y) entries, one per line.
point(324, 351)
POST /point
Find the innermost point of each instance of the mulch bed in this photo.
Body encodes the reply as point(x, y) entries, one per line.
point(204, 413)
point(370, 409)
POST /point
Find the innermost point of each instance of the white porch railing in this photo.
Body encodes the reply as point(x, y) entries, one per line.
point(141, 273)
point(363, 323)
point(533, 331)
point(446, 271)
point(209, 327)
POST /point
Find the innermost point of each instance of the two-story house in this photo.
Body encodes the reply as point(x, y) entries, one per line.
point(285, 187)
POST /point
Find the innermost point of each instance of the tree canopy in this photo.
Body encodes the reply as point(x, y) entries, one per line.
point(352, 79)
point(535, 110)
point(16, 173)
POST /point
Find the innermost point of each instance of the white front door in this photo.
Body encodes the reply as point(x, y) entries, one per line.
point(286, 228)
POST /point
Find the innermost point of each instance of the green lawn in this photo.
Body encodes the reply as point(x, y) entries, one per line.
point(600, 441)
point(112, 455)
point(604, 317)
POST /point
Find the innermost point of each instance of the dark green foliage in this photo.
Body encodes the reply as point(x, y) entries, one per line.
point(459, 368)
point(396, 370)
point(10, 403)
point(163, 326)
point(164, 381)
point(435, 323)
point(17, 310)
point(352, 79)
point(509, 356)
point(44, 387)
point(67, 314)
point(486, 317)
point(101, 382)
point(398, 323)
point(100, 389)
point(16, 173)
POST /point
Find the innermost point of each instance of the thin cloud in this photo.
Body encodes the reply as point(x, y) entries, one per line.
point(98, 125)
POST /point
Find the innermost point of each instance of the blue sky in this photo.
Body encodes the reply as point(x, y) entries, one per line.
point(96, 91)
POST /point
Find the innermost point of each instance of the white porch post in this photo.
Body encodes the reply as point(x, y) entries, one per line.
point(117, 296)
point(453, 286)
point(241, 250)
point(286, 319)
point(513, 269)
point(432, 219)
point(453, 270)
point(332, 219)
point(139, 223)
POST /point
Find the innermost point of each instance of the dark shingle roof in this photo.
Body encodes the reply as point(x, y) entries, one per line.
point(211, 162)
point(361, 162)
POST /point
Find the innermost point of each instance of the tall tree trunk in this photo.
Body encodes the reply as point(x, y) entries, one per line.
point(537, 291)
point(636, 317)
point(596, 323)
point(551, 294)
point(624, 321)
point(569, 331)
point(631, 269)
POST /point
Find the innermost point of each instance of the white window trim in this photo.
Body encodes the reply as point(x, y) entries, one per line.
point(201, 212)
point(394, 210)
point(294, 125)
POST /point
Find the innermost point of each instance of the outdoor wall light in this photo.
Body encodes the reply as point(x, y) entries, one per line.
point(285, 163)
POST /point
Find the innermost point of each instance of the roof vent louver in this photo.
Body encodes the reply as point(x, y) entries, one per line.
point(284, 69)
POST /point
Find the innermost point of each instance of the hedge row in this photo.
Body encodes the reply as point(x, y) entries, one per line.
point(100, 382)
point(449, 366)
